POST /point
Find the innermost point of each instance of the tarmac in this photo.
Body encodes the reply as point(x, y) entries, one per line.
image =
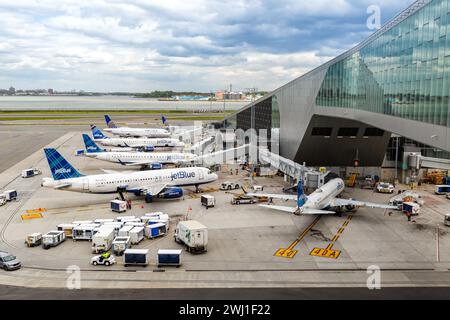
point(247, 243)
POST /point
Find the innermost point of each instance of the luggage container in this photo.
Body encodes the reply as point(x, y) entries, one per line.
point(67, 228)
point(208, 201)
point(442, 189)
point(169, 258)
point(118, 206)
point(116, 225)
point(103, 221)
point(84, 232)
point(125, 231)
point(102, 240)
point(155, 230)
point(164, 221)
point(135, 257)
point(125, 218)
point(135, 224)
point(193, 235)
point(136, 234)
point(120, 244)
point(153, 214)
point(82, 222)
point(28, 173)
point(53, 239)
point(411, 207)
point(34, 240)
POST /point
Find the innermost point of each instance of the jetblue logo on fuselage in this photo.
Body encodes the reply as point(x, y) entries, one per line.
point(63, 170)
point(182, 175)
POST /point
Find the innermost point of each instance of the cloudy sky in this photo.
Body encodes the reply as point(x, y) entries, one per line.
point(203, 45)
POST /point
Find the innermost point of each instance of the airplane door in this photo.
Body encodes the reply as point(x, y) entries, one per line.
point(201, 175)
point(85, 184)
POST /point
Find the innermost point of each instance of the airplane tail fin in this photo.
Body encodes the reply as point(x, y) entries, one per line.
point(60, 168)
point(109, 122)
point(97, 133)
point(91, 146)
point(301, 197)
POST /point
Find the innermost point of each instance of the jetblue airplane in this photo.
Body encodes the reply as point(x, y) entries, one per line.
point(134, 142)
point(164, 183)
point(323, 201)
point(154, 160)
point(135, 132)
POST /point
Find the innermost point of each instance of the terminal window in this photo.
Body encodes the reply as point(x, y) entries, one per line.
point(348, 132)
point(373, 132)
point(322, 131)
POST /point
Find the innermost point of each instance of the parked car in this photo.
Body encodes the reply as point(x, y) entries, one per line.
point(230, 186)
point(237, 200)
point(9, 262)
point(105, 259)
point(384, 187)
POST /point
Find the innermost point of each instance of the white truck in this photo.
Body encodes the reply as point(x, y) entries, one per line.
point(193, 235)
point(28, 173)
point(9, 195)
point(102, 240)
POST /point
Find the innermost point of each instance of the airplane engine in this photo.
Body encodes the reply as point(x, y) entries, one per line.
point(171, 193)
point(156, 166)
point(350, 208)
point(149, 149)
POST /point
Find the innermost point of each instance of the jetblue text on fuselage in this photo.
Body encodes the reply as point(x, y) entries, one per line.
point(182, 175)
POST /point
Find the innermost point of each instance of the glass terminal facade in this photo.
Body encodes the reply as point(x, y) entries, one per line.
point(405, 72)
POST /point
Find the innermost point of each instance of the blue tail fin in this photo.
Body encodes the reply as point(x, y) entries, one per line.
point(301, 197)
point(109, 122)
point(97, 133)
point(91, 146)
point(60, 168)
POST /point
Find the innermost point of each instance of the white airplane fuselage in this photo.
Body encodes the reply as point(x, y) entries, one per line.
point(140, 142)
point(153, 157)
point(139, 132)
point(322, 197)
point(110, 183)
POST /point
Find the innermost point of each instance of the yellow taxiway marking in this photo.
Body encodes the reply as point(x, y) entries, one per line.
point(290, 252)
point(38, 210)
point(328, 252)
point(30, 216)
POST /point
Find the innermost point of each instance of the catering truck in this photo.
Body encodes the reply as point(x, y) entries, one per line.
point(193, 235)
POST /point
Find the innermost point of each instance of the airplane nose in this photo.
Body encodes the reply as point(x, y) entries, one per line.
point(215, 176)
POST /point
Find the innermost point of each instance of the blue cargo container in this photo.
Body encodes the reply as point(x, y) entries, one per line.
point(169, 258)
point(136, 257)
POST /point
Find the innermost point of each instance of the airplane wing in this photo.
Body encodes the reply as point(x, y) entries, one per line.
point(62, 186)
point(305, 211)
point(153, 189)
point(273, 196)
point(136, 163)
point(337, 202)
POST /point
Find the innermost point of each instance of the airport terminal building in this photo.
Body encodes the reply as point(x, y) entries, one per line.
point(395, 82)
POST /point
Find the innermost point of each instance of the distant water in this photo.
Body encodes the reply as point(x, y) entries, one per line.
point(109, 103)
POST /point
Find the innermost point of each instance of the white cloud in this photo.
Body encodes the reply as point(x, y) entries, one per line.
point(140, 45)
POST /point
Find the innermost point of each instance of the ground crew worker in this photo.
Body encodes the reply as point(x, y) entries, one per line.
point(237, 171)
point(408, 214)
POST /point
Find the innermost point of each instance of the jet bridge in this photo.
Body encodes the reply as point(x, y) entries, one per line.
point(311, 177)
point(417, 161)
